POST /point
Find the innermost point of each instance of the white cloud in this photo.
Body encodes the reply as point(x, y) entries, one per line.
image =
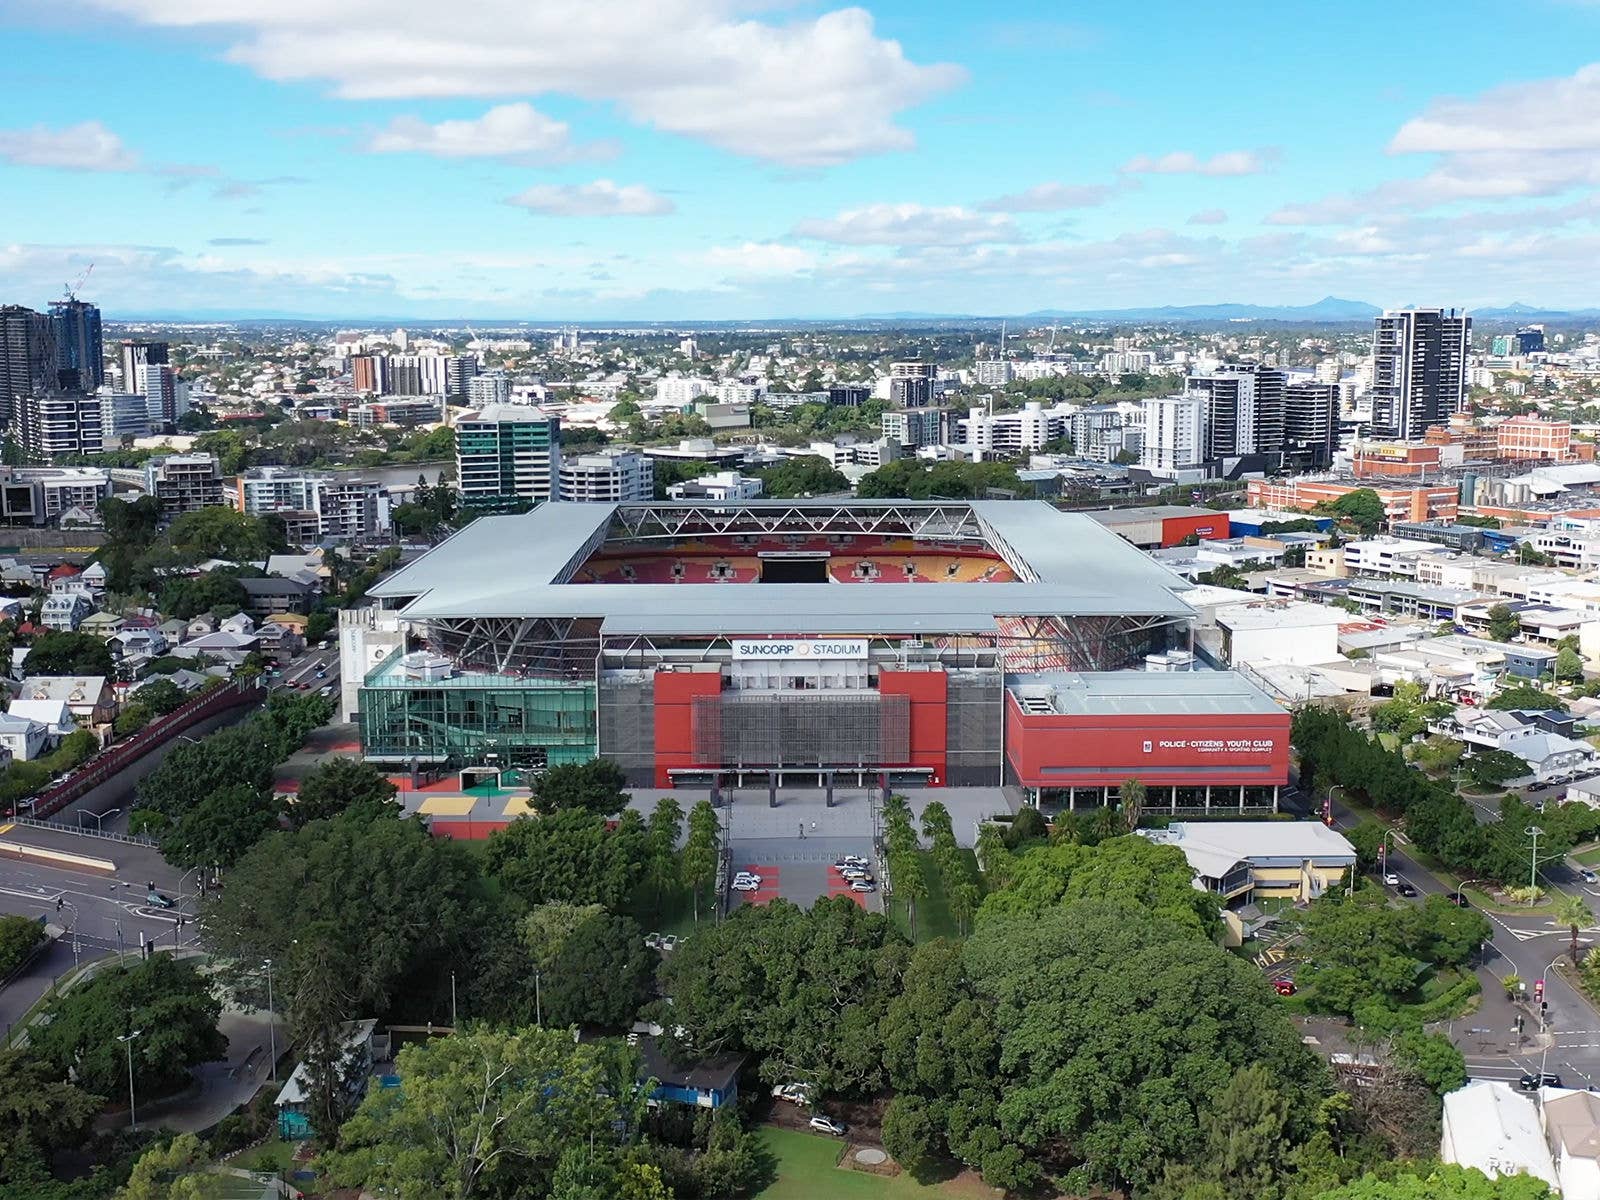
point(1184, 162)
point(1544, 114)
point(809, 91)
point(1208, 216)
point(752, 260)
point(517, 132)
point(1052, 197)
point(87, 146)
point(909, 225)
point(602, 198)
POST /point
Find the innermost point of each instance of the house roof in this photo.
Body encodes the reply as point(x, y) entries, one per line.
point(1213, 849)
point(70, 689)
point(1493, 1128)
point(50, 713)
point(715, 1073)
point(1572, 1120)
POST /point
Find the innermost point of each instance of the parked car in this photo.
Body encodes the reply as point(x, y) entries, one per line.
point(1284, 987)
point(852, 860)
point(1405, 889)
point(652, 941)
point(1390, 879)
point(1459, 900)
point(794, 1093)
point(1532, 1081)
point(746, 877)
point(747, 885)
point(821, 1123)
point(862, 885)
point(1586, 875)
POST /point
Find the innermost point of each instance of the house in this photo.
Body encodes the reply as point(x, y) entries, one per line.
point(238, 623)
point(221, 646)
point(89, 698)
point(1492, 1127)
point(201, 625)
point(79, 517)
point(94, 577)
point(1549, 755)
point(295, 621)
point(1572, 1130)
point(23, 738)
point(186, 681)
point(362, 1047)
point(1527, 733)
point(1242, 861)
point(65, 611)
point(279, 641)
point(135, 643)
point(54, 715)
point(174, 630)
point(277, 595)
point(101, 625)
point(710, 1082)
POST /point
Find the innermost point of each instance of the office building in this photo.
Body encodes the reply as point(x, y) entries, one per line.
point(459, 370)
point(1527, 340)
point(1174, 433)
point(490, 387)
point(611, 475)
point(159, 387)
point(122, 415)
point(183, 483)
point(80, 346)
point(1242, 410)
point(914, 427)
point(911, 384)
point(1419, 370)
point(848, 395)
point(506, 454)
point(680, 390)
point(720, 485)
point(138, 355)
point(992, 372)
point(29, 363)
point(1310, 424)
point(52, 423)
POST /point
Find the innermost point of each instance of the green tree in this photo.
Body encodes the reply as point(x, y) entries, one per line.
point(595, 786)
point(600, 975)
point(487, 1113)
point(1443, 1182)
point(1362, 509)
point(910, 884)
point(1130, 803)
point(343, 785)
point(699, 863)
point(1432, 1058)
point(160, 697)
point(220, 592)
point(571, 856)
point(803, 475)
point(1248, 1145)
point(1503, 623)
point(165, 999)
point(62, 653)
point(1569, 665)
point(1573, 912)
point(41, 1112)
point(18, 937)
point(219, 829)
point(1525, 696)
point(175, 1170)
point(226, 533)
point(1494, 768)
point(666, 829)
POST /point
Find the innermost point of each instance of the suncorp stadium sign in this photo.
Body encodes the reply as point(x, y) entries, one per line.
point(813, 649)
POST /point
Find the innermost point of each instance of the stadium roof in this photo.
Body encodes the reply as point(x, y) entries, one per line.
point(515, 566)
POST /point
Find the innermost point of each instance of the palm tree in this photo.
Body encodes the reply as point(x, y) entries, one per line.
point(1574, 913)
point(909, 884)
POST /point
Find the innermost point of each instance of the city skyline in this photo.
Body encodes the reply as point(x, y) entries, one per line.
point(704, 161)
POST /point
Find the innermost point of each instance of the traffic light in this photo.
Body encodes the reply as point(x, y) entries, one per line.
point(1538, 990)
point(60, 902)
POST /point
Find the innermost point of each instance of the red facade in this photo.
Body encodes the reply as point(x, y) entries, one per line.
point(1176, 750)
point(928, 692)
point(674, 701)
point(1209, 526)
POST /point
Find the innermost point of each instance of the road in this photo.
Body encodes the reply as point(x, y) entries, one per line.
point(1524, 946)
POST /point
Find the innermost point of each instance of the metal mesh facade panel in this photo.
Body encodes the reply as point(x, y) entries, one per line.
point(783, 728)
point(973, 728)
point(627, 724)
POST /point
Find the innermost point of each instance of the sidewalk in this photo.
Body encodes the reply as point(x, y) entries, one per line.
point(220, 1087)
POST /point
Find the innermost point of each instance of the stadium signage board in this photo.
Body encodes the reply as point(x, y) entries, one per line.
point(812, 649)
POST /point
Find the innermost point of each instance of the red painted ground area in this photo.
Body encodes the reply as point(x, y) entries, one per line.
point(768, 891)
point(841, 887)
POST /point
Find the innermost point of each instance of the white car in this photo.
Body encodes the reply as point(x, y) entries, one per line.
point(652, 941)
point(746, 885)
point(1390, 879)
point(794, 1093)
point(746, 875)
point(851, 860)
point(863, 885)
point(826, 1124)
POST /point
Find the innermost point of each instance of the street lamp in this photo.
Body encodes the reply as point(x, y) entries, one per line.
point(133, 1117)
point(1544, 1003)
point(99, 818)
point(65, 903)
point(1533, 831)
point(272, 1021)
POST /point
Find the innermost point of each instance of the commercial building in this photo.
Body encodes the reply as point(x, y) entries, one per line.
point(1419, 369)
point(795, 641)
point(1527, 340)
point(612, 475)
point(135, 356)
point(29, 361)
point(122, 415)
point(911, 384)
point(184, 483)
point(1273, 631)
point(1246, 861)
point(913, 427)
point(720, 485)
point(1161, 525)
point(1401, 502)
point(52, 423)
point(80, 345)
point(505, 454)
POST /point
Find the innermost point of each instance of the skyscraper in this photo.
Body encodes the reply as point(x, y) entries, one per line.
point(135, 357)
point(506, 453)
point(1310, 424)
point(911, 384)
point(28, 359)
point(1243, 411)
point(1419, 369)
point(80, 348)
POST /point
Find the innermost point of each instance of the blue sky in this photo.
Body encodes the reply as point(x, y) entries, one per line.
point(689, 159)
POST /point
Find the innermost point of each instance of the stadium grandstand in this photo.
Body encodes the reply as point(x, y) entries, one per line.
point(697, 642)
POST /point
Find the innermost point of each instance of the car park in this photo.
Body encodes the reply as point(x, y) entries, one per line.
point(821, 1123)
point(862, 885)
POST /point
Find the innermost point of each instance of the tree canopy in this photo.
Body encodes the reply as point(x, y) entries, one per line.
point(63, 653)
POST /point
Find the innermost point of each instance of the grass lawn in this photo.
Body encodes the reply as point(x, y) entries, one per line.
point(1589, 857)
point(675, 913)
point(933, 913)
point(807, 1171)
point(278, 1151)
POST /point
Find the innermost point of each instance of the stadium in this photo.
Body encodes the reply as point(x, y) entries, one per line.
point(802, 643)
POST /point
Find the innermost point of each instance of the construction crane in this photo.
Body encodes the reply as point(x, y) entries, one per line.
point(72, 289)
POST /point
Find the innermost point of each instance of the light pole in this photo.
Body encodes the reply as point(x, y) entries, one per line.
point(452, 999)
point(99, 818)
point(1544, 1003)
point(75, 948)
point(133, 1117)
point(1533, 831)
point(272, 1021)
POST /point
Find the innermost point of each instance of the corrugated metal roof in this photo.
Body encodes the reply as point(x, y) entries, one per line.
point(1144, 693)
